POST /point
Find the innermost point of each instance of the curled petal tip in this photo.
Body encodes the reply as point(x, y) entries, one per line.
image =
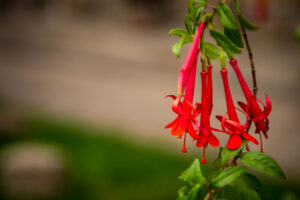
point(170, 95)
point(268, 107)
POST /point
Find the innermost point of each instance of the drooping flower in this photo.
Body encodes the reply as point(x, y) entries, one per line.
point(256, 114)
point(232, 126)
point(205, 135)
point(185, 121)
point(209, 88)
point(193, 52)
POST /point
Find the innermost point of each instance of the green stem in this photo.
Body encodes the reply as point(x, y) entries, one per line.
point(209, 195)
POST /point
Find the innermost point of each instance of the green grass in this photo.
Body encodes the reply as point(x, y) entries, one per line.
point(103, 166)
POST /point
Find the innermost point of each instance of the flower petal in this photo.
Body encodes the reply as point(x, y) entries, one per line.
point(248, 137)
point(175, 127)
point(234, 142)
point(268, 107)
point(219, 117)
point(192, 131)
point(176, 105)
point(213, 141)
point(202, 139)
point(198, 109)
point(236, 125)
point(171, 96)
point(172, 123)
point(223, 125)
point(243, 106)
point(182, 126)
point(190, 106)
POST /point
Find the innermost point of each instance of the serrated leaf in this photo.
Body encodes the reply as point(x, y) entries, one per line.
point(178, 32)
point(225, 42)
point(227, 154)
point(245, 23)
point(193, 174)
point(227, 176)
point(235, 36)
point(255, 184)
point(226, 16)
point(263, 163)
point(246, 192)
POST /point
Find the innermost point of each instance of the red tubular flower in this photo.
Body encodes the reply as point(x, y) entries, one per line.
point(193, 52)
point(252, 108)
point(234, 128)
point(209, 87)
point(185, 120)
point(205, 135)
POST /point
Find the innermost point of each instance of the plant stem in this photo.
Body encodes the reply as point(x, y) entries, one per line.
point(245, 36)
point(209, 195)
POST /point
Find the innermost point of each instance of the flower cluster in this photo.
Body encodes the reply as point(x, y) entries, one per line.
point(187, 112)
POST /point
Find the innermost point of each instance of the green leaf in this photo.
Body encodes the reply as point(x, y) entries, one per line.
point(227, 154)
point(226, 16)
point(201, 2)
point(180, 193)
point(191, 4)
point(224, 42)
point(255, 184)
point(187, 24)
point(212, 51)
point(192, 193)
point(227, 176)
point(177, 46)
point(246, 192)
point(237, 5)
point(245, 23)
point(263, 163)
point(197, 11)
point(235, 36)
point(178, 32)
point(193, 174)
point(297, 33)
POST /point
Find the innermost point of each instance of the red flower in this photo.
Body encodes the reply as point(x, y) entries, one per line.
point(185, 120)
point(193, 52)
point(233, 126)
point(209, 87)
point(255, 113)
point(206, 136)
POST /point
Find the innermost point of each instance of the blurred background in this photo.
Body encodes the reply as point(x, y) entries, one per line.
point(81, 97)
